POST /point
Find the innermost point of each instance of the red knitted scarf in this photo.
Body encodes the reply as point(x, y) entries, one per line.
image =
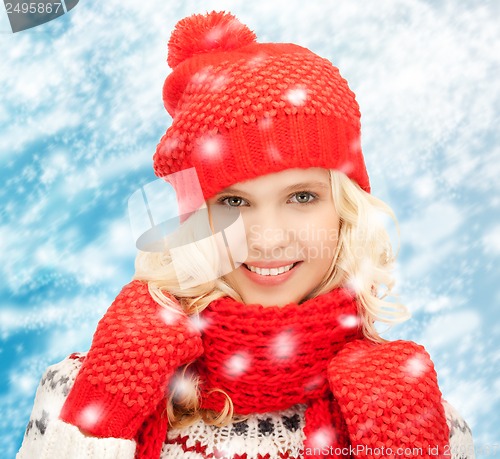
point(270, 358)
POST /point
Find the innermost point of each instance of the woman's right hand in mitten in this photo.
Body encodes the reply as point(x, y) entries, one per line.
point(136, 348)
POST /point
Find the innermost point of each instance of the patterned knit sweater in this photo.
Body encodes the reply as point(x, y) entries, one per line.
point(277, 435)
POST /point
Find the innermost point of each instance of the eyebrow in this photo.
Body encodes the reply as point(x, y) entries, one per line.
point(301, 186)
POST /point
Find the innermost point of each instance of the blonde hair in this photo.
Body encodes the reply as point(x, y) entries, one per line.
point(363, 261)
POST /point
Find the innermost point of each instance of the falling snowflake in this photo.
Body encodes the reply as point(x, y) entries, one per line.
point(297, 96)
point(265, 123)
point(24, 382)
point(198, 322)
point(90, 416)
point(424, 187)
point(349, 320)
point(323, 438)
point(211, 82)
point(170, 316)
point(230, 448)
point(183, 387)
point(237, 364)
point(314, 383)
point(283, 346)
point(415, 366)
point(256, 61)
point(359, 281)
point(355, 283)
point(215, 34)
point(210, 147)
point(170, 144)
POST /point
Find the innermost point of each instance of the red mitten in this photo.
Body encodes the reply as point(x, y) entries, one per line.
point(136, 348)
point(390, 400)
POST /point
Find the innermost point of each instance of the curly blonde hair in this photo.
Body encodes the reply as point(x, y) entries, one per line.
point(363, 261)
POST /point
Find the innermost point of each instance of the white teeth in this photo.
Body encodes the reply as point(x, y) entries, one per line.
point(270, 272)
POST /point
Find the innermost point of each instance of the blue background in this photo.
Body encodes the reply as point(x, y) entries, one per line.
point(81, 114)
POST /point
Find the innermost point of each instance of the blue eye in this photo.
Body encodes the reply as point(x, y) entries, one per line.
point(304, 197)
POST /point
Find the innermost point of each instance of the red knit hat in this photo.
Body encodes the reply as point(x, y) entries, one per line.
point(243, 109)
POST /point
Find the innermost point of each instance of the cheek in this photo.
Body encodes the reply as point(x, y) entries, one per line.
point(319, 231)
point(319, 239)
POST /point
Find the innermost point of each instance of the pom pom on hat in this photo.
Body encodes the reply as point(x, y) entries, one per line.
point(198, 34)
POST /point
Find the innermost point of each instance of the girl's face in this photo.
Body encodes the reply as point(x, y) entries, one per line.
point(291, 230)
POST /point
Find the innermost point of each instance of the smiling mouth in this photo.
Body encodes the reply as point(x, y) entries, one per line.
point(271, 271)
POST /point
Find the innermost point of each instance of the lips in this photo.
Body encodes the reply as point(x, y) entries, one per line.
point(269, 270)
point(271, 273)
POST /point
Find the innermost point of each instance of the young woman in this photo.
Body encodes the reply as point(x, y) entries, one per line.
point(256, 340)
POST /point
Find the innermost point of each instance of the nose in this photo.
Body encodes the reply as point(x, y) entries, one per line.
point(268, 235)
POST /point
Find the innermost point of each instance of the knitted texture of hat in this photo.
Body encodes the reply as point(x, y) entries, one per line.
point(243, 109)
point(121, 387)
point(370, 397)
